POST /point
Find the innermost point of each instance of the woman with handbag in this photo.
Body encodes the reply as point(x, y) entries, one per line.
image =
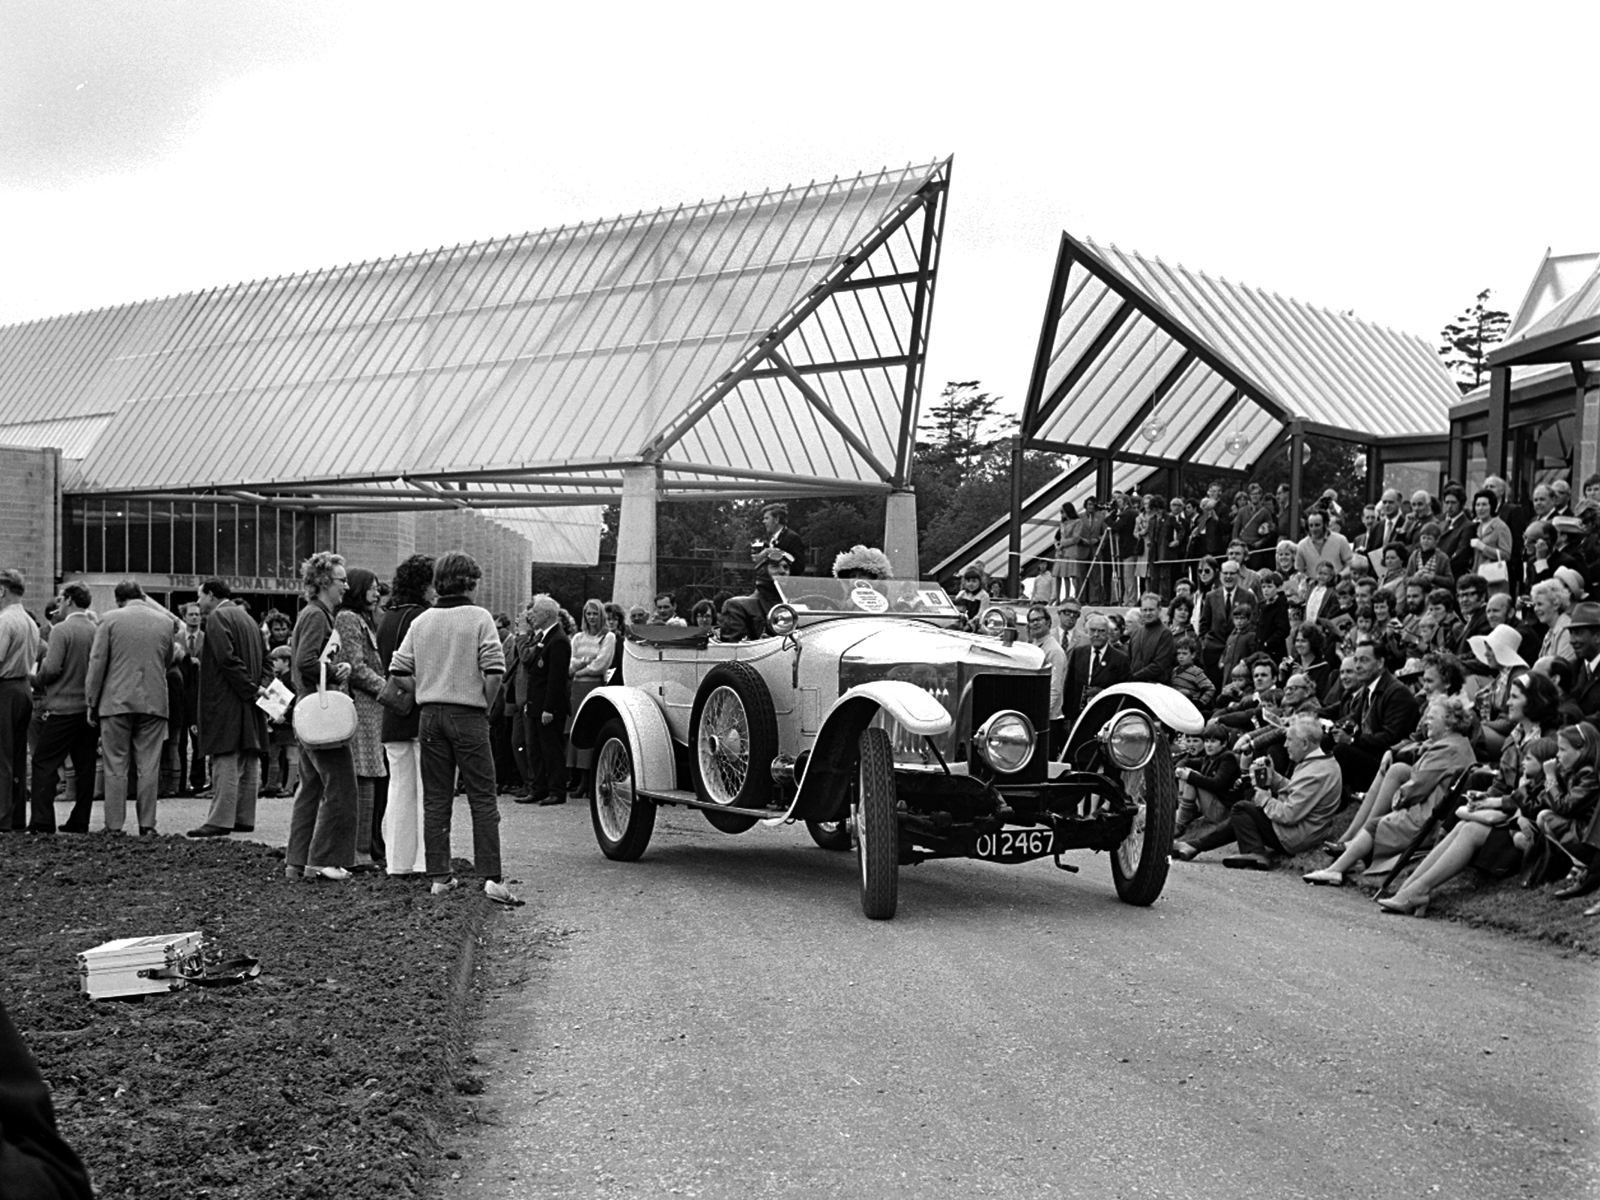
point(593, 648)
point(411, 593)
point(358, 646)
point(322, 826)
point(1492, 544)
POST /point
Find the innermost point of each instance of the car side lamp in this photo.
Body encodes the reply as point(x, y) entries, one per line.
point(783, 620)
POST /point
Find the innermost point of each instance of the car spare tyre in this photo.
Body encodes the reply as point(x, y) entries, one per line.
point(733, 738)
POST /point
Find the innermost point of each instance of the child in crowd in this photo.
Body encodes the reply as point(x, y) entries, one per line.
point(1207, 782)
point(1241, 643)
point(1571, 789)
point(283, 754)
point(1238, 684)
point(1189, 678)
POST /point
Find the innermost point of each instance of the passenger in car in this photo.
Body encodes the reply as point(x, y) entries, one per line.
point(744, 618)
point(862, 562)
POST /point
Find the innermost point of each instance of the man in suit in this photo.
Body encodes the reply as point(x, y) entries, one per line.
point(546, 660)
point(1383, 713)
point(230, 730)
point(64, 729)
point(125, 691)
point(1583, 627)
point(1092, 668)
point(776, 519)
point(1393, 521)
point(1216, 618)
point(1456, 530)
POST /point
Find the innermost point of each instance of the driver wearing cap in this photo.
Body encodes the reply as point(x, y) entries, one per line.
point(744, 618)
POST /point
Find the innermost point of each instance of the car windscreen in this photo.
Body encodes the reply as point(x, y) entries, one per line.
point(869, 597)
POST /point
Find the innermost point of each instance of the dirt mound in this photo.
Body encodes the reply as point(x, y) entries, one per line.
point(326, 1077)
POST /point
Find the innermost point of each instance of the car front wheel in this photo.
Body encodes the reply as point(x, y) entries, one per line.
point(623, 819)
point(877, 827)
point(1139, 865)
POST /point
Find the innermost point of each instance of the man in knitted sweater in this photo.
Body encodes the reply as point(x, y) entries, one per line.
point(453, 652)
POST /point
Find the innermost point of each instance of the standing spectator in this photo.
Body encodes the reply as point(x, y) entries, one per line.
point(1272, 617)
point(593, 649)
point(411, 594)
point(1124, 546)
point(1158, 532)
point(1094, 544)
point(1041, 633)
point(1319, 545)
point(453, 652)
point(1151, 649)
point(19, 651)
point(358, 646)
point(1091, 668)
point(181, 756)
point(1497, 538)
point(282, 775)
point(125, 691)
point(775, 519)
point(322, 825)
point(232, 731)
point(1069, 533)
point(548, 660)
point(64, 730)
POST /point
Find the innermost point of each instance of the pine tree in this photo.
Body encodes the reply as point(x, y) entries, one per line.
point(957, 426)
point(1468, 339)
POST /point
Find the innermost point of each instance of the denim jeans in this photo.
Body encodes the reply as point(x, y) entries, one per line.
point(322, 825)
point(136, 737)
point(236, 780)
point(451, 738)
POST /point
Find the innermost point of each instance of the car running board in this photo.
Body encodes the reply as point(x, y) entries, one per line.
point(680, 796)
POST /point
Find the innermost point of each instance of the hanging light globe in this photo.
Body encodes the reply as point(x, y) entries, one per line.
point(1154, 429)
point(1238, 443)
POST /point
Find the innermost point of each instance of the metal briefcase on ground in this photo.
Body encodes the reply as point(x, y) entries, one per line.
point(139, 966)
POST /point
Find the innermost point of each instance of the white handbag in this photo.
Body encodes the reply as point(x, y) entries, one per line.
point(326, 718)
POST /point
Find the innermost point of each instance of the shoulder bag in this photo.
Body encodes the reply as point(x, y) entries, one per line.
point(327, 718)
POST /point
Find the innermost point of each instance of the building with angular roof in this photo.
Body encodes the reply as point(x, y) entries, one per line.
point(1144, 366)
point(1538, 416)
point(766, 344)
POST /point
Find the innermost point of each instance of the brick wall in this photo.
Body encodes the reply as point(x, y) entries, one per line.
point(30, 513)
point(379, 541)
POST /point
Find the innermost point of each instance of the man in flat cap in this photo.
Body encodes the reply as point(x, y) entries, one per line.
point(744, 618)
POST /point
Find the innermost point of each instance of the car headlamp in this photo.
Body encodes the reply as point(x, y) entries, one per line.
point(994, 622)
point(1006, 741)
point(1129, 739)
point(782, 619)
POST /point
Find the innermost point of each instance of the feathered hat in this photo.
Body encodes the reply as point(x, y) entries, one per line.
point(863, 558)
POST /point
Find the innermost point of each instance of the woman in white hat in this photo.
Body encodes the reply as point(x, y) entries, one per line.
point(1498, 649)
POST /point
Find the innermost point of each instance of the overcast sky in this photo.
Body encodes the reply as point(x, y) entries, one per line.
point(1390, 159)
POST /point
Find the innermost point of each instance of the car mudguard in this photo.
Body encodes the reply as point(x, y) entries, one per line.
point(650, 742)
point(832, 762)
point(1167, 705)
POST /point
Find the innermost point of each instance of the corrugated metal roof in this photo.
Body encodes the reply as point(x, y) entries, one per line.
point(1558, 276)
point(1125, 322)
point(544, 361)
point(1580, 305)
point(73, 436)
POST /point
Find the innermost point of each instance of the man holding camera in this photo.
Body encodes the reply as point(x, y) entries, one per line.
point(1287, 814)
point(1380, 714)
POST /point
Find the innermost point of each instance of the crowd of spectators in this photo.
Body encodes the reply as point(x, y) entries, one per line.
point(1444, 648)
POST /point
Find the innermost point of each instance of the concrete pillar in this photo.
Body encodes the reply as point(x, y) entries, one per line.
point(1588, 439)
point(636, 538)
point(900, 533)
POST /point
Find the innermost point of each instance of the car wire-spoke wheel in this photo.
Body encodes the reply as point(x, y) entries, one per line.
point(1139, 863)
point(623, 819)
point(724, 746)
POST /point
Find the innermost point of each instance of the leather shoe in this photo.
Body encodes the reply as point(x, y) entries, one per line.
point(528, 799)
point(69, 827)
point(1327, 877)
point(209, 831)
point(1248, 862)
point(244, 828)
point(1184, 852)
point(550, 800)
point(147, 831)
point(1587, 880)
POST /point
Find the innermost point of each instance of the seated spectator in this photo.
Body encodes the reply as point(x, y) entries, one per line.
point(1393, 813)
point(1180, 616)
point(972, 594)
point(1308, 656)
point(1207, 782)
point(638, 615)
point(1571, 790)
point(1427, 562)
point(1262, 694)
point(1551, 599)
point(1267, 738)
point(1532, 703)
point(704, 615)
point(1498, 650)
point(1188, 677)
point(1386, 713)
point(1286, 815)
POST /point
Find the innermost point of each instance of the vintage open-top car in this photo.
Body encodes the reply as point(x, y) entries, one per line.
point(869, 716)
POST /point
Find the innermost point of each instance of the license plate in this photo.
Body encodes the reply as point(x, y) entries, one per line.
point(1014, 845)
